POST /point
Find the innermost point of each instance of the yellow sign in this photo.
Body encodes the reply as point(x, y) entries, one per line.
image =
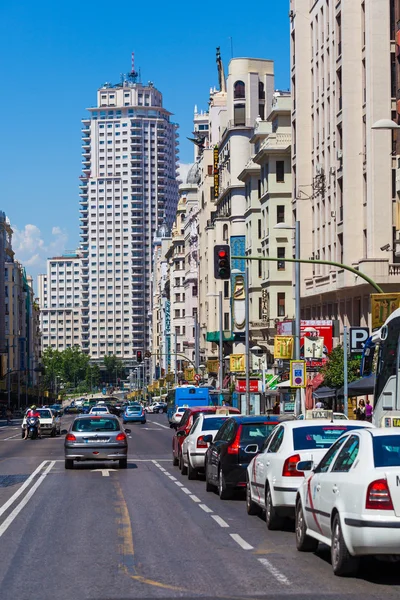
point(283, 347)
point(298, 374)
point(156, 385)
point(237, 363)
point(382, 305)
point(170, 377)
point(189, 374)
point(212, 365)
point(216, 173)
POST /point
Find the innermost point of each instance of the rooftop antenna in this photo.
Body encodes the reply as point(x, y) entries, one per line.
point(133, 75)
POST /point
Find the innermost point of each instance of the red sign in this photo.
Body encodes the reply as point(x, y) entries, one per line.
point(240, 385)
point(310, 328)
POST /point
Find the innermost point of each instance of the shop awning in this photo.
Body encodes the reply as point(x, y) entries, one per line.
point(362, 387)
point(324, 392)
point(213, 336)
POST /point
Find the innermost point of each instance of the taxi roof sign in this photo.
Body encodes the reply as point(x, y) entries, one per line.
point(222, 411)
point(319, 413)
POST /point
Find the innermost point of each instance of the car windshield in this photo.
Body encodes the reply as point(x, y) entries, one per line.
point(96, 424)
point(45, 414)
point(256, 433)
point(386, 450)
point(134, 408)
point(318, 437)
point(213, 423)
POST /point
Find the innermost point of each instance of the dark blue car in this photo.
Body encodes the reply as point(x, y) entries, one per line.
point(134, 413)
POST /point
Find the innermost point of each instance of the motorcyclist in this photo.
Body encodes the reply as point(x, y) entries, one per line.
point(32, 413)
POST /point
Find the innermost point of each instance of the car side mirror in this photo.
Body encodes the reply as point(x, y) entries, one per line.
point(128, 430)
point(208, 438)
point(251, 449)
point(305, 465)
point(181, 434)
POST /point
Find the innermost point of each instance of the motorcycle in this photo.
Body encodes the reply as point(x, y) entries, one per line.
point(32, 424)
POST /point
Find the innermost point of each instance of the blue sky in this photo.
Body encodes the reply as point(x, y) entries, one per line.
point(55, 55)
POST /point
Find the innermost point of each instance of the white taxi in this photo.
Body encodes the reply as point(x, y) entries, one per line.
point(49, 424)
point(195, 445)
point(272, 475)
point(351, 500)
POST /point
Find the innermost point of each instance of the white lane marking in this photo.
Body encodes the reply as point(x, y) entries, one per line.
point(104, 472)
point(279, 576)
point(11, 437)
point(205, 508)
point(178, 483)
point(188, 492)
point(162, 469)
point(159, 424)
point(239, 540)
point(171, 477)
point(195, 498)
point(23, 487)
point(155, 462)
point(220, 521)
point(6, 524)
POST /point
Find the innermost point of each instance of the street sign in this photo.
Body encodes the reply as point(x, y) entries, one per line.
point(197, 377)
point(358, 337)
point(147, 354)
point(297, 373)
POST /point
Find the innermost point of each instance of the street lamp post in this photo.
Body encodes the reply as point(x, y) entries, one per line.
point(247, 332)
point(296, 230)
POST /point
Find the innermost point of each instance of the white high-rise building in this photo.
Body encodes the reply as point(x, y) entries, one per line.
point(59, 293)
point(128, 190)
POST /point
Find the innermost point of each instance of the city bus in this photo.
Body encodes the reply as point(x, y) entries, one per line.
point(187, 396)
point(385, 351)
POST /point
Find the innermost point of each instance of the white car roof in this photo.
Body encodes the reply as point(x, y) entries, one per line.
point(377, 431)
point(317, 422)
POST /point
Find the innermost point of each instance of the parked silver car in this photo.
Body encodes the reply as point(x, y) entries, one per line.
point(96, 438)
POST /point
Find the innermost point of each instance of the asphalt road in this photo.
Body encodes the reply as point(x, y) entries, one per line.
point(147, 532)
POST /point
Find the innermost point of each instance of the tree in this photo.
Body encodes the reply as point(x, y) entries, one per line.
point(93, 376)
point(52, 363)
point(333, 371)
point(114, 366)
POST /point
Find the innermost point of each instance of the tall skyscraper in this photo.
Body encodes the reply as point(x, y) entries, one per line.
point(128, 190)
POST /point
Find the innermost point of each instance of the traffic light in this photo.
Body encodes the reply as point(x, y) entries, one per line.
point(222, 261)
point(139, 356)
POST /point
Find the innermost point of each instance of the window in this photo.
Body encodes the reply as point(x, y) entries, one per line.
point(280, 214)
point(281, 304)
point(260, 268)
point(239, 114)
point(347, 455)
point(259, 229)
point(281, 254)
point(276, 441)
point(210, 170)
point(280, 171)
point(239, 90)
point(226, 322)
point(328, 458)
point(226, 289)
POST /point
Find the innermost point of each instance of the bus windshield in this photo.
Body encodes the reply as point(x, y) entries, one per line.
point(387, 357)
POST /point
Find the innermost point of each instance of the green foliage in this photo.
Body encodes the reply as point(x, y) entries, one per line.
point(114, 366)
point(333, 371)
point(70, 366)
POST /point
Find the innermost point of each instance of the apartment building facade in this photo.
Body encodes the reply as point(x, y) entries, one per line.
point(59, 295)
point(128, 190)
point(343, 81)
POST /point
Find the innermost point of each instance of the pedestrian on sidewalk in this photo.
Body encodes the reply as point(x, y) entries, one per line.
point(8, 415)
point(368, 411)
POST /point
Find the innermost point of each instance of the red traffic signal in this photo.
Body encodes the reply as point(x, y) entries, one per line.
point(139, 356)
point(222, 262)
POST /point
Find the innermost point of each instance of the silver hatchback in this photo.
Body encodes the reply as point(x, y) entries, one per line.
point(93, 437)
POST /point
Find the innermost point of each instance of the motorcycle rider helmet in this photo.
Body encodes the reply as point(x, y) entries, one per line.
point(33, 407)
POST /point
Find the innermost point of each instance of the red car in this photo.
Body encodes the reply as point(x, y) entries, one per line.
point(186, 424)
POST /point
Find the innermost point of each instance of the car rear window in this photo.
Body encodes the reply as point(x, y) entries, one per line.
point(96, 424)
point(45, 414)
point(318, 437)
point(213, 423)
point(386, 450)
point(256, 433)
point(134, 409)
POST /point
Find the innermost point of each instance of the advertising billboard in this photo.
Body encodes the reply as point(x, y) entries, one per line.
point(319, 343)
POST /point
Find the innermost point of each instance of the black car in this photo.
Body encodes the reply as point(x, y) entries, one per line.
point(113, 409)
point(232, 449)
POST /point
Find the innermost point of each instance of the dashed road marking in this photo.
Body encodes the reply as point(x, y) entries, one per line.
point(171, 477)
point(184, 489)
point(178, 483)
point(239, 540)
point(159, 424)
point(220, 521)
point(279, 576)
point(205, 508)
point(194, 498)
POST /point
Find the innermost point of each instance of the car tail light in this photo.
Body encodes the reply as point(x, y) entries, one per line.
point(70, 437)
point(121, 437)
point(235, 446)
point(290, 467)
point(201, 443)
point(378, 496)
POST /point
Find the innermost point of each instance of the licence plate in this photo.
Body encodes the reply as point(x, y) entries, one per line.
point(396, 422)
point(96, 441)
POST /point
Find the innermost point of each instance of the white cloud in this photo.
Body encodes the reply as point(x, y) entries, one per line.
point(31, 249)
point(183, 170)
